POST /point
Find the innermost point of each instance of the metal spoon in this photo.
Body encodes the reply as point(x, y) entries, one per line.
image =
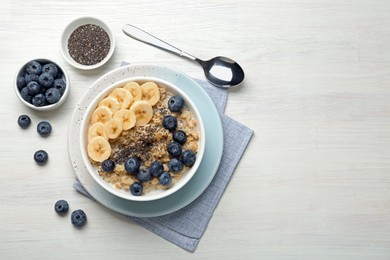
point(220, 71)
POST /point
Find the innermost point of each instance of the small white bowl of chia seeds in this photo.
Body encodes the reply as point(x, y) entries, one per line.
point(87, 43)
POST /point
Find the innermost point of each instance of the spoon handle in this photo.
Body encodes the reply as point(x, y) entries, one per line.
point(142, 36)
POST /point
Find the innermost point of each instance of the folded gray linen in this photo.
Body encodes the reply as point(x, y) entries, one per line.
point(185, 227)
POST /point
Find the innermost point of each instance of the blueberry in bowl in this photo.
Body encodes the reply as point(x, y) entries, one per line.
point(42, 84)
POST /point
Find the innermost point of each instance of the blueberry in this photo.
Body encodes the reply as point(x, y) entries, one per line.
point(144, 175)
point(53, 95)
point(41, 157)
point(175, 165)
point(156, 168)
point(31, 77)
point(43, 90)
point(59, 74)
point(169, 122)
point(174, 149)
point(34, 67)
point(176, 103)
point(136, 188)
point(132, 165)
point(24, 94)
point(20, 82)
point(46, 80)
point(188, 158)
point(33, 88)
point(165, 179)
point(78, 218)
point(60, 85)
point(108, 165)
point(61, 206)
point(44, 128)
point(24, 121)
point(179, 136)
point(39, 100)
point(51, 69)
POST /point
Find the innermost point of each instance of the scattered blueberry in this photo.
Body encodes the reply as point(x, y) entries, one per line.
point(41, 157)
point(24, 94)
point(44, 128)
point(61, 206)
point(136, 188)
point(175, 165)
point(46, 80)
point(39, 100)
point(188, 158)
point(169, 122)
point(53, 95)
point(179, 136)
point(144, 175)
point(165, 179)
point(132, 165)
point(156, 168)
point(60, 85)
point(24, 121)
point(50, 68)
point(33, 88)
point(176, 103)
point(78, 218)
point(174, 149)
point(108, 165)
point(31, 77)
point(20, 82)
point(34, 67)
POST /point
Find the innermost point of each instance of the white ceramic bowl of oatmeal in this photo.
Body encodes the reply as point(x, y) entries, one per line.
point(147, 142)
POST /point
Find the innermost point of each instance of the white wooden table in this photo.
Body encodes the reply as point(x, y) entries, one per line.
point(315, 180)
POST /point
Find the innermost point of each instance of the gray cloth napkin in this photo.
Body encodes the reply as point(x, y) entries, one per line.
point(186, 226)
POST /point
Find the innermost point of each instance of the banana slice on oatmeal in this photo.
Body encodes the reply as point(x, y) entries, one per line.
point(150, 93)
point(143, 112)
point(101, 114)
point(99, 149)
point(113, 128)
point(97, 129)
point(110, 102)
point(135, 89)
point(124, 97)
point(126, 117)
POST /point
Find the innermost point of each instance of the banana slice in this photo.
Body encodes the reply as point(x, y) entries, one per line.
point(124, 97)
point(110, 102)
point(135, 89)
point(126, 117)
point(150, 92)
point(113, 128)
point(99, 149)
point(101, 114)
point(143, 112)
point(97, 129)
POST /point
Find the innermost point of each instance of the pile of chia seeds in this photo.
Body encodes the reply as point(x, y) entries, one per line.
point(89, 44)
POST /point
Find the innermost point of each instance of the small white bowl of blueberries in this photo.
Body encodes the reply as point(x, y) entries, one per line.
point(42, 84)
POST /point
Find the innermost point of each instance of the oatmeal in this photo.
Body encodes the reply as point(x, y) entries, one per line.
point(141, 137)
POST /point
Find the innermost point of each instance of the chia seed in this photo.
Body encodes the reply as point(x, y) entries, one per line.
point(89, 44)
point(140, 149)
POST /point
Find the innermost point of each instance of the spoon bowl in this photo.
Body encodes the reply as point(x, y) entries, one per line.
point(222, 71)
point(219, 71)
